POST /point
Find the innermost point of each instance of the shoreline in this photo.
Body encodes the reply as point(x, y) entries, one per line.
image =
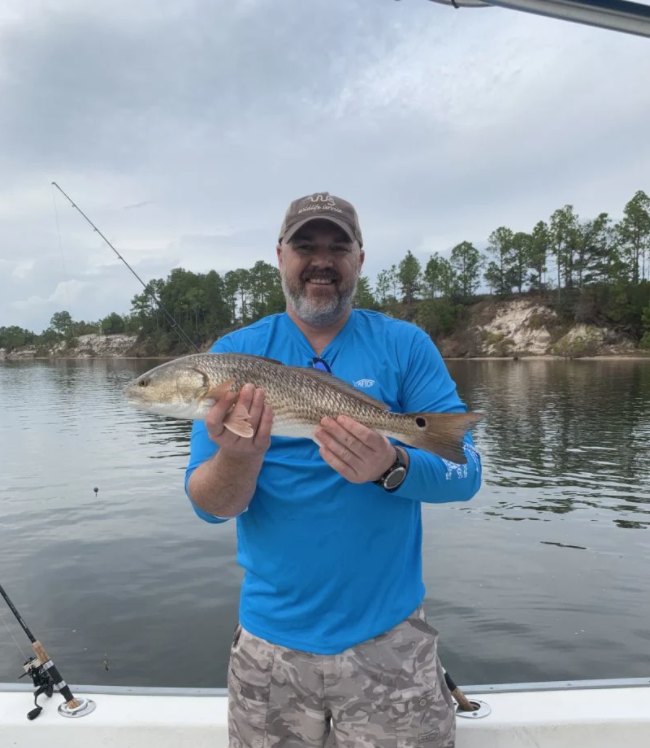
point(89, 358)
point(517, 357)
point(550, 357)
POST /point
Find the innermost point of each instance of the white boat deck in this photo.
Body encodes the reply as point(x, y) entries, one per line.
point(608, 715)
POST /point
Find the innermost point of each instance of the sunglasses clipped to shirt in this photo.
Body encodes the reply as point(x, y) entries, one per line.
point(396, 473)
point(319, 363)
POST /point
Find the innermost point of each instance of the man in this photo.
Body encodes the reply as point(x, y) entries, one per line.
point(332, 635)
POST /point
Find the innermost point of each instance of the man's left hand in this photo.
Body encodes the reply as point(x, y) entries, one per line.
point(358, 453)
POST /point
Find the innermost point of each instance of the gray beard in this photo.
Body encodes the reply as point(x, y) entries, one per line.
point(319, 313)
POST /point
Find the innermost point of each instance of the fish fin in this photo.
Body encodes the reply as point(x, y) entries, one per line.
point(215, 393)
point(338, 384)
point(237, 422)
point(442, 434)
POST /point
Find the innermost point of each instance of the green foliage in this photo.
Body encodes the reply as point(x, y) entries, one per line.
point(15, 337)
point(113, 324)
point(500, 274)
point(536, 321)
point(86, 328)
point(409, 275)
point(645, 321)
point(645, 318)
point(466, 265)
point(595, 251)
point(522, 251)
point(432, 283)
point(601, 271)
point(492, 338)
point(583, 345)
point(204, 306)
point(621, 304)
point(438, 316)
point(265, 290)
point(363, 298)
point(563, 232)
point(439, 278)
point(539, 250)
point(634, 236)
point(47, 338)
point(61, 323)
point(500, 344)
point(382, 287)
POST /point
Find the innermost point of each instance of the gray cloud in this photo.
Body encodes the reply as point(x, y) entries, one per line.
point(183, 131)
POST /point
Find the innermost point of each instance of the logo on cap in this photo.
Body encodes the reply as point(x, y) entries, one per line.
point(319, 201)
point(321, 205)
point(326, 198)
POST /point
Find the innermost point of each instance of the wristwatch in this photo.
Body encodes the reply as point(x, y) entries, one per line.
point(393, 478)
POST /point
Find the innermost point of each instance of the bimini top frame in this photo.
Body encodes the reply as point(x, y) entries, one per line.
point(614, 15)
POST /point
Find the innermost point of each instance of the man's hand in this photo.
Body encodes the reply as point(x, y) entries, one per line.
point(358, 453)
point(260, 418)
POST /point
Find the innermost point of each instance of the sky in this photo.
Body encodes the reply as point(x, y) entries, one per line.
point(183, 131)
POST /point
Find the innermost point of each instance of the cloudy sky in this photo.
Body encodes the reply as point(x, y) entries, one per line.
point(183, 130)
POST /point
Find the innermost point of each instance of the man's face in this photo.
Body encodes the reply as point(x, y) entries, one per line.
point(320, 268)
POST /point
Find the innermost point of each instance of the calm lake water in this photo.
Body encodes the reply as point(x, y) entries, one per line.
point(545, 575)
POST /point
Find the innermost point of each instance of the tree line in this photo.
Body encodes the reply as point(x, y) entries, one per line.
point(589, 269)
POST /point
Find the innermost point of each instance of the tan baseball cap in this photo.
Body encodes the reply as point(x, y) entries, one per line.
point(324, 206)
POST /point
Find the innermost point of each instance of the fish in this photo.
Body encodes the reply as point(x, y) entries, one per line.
point(188, 387)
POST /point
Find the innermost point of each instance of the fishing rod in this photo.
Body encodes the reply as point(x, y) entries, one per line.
point(46, 676)
point(146, 287)
point(464, 704)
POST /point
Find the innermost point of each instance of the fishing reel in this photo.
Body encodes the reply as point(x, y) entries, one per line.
point(45, 675)
point(42, 681)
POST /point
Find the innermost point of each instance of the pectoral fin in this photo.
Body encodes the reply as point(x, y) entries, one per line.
point(237, 422)
point(215, 393)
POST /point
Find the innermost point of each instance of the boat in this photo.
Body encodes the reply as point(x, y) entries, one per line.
point(583, 714)
point(579, 714)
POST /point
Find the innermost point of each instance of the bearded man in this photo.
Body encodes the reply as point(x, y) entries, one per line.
point(332, 638)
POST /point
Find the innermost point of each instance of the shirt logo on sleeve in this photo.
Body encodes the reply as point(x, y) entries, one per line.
point(460, 471)
point(364, 383)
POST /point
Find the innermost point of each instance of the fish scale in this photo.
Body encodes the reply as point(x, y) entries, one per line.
point(299, 397)
point(310, 398)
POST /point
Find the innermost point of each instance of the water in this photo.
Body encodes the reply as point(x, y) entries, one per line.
point(543, 576)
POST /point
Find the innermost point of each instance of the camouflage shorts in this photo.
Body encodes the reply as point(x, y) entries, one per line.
point(388, 692)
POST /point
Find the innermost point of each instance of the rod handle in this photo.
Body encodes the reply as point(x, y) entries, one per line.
point(44, 657)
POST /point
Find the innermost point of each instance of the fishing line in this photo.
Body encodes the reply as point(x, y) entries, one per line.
point(147, 288)
point(11, 634)
point(58, 231)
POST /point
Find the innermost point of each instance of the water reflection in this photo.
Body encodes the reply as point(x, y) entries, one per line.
point(531, 580)
point(576, 433)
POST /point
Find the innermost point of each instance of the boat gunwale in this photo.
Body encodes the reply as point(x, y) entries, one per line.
point(573, 685)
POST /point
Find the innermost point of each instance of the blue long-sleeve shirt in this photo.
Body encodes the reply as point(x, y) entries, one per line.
point(329, 563)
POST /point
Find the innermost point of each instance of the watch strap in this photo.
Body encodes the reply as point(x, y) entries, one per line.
point(398, 465)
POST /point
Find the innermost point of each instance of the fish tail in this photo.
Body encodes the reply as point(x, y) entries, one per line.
point(441, 434)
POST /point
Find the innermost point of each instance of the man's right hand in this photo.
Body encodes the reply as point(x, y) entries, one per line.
point(261, 419)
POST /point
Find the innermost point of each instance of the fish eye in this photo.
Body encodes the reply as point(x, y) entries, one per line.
point(143, 382)
point(421, 422)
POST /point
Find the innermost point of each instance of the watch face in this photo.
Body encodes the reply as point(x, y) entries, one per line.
point(396, 477)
